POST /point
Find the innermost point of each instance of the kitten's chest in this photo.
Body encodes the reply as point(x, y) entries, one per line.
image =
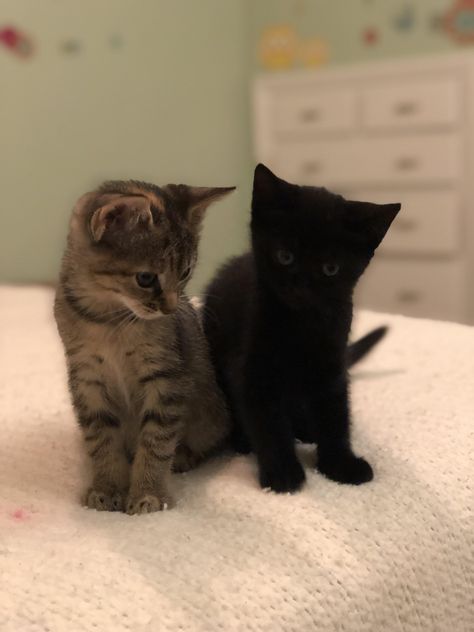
point(119, 373)
point(299, 356)
point(118, 361)
point(126, 361)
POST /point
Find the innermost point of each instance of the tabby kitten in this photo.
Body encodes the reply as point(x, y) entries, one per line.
point(278, 322)
point(140, 376)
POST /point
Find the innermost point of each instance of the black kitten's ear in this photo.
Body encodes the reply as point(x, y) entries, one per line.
point(193, 201)
point(119, 212)
point(371, 221)
point(266, 186)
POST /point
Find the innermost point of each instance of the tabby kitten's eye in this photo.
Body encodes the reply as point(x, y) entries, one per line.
point(285, 257)
point(145, 279)
point(330, 269)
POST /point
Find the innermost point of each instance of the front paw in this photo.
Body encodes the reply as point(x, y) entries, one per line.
point(348, 469)
point(148, 503)
point(104, 501)
point(284, 476)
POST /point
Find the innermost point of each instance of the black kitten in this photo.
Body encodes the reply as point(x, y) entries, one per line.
point(278, 322)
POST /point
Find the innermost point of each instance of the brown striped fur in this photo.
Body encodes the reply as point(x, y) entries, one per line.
point(140, 377)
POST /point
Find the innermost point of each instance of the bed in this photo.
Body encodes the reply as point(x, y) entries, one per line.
point(394, 555)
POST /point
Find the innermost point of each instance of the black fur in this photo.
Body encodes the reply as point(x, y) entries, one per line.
point(278, 333)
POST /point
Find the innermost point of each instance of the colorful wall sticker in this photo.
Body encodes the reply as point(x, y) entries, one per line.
point(405, 19)
point(281, 48)
point(370, 36)
point(459, 21)
point(278, 47)
point(16, 41)
point(313, 52)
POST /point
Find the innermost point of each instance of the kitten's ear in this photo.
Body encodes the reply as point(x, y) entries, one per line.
point(265, 184)
point(371, 220)
point(201, 197)
point(120, 212)
point(193, 201)
point(269, 189)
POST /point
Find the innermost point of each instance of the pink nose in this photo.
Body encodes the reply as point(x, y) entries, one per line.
point(169, 302)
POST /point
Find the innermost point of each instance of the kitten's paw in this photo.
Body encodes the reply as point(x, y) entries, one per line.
point(104, 501)
point(185, 459)
point(147, 504)
point(349, 469)
point(283, 477)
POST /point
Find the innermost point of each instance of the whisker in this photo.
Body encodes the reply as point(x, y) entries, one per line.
point(129, 316)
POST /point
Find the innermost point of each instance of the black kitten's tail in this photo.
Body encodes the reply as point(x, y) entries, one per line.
point(358, 349)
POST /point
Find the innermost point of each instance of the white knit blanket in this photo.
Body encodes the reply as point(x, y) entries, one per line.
point(392, 555)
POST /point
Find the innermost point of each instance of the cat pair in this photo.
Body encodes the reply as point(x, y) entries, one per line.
point(154, 393)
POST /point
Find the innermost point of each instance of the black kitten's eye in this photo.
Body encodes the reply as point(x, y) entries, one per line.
point(330, 269)
point(145, 279)
point(285, 257)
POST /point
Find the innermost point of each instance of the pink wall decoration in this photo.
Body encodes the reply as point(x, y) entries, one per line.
point(16, 41)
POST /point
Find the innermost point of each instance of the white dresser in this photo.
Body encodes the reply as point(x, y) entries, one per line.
point(400, 131)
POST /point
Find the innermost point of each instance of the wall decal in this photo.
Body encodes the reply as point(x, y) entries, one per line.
point(16, 41)
point(278, 47)
point(304, 34)
point(459, 21)
point(70, 46)
point(313, 52)
point(281, 48)
point(370, 36)
point(405, 20)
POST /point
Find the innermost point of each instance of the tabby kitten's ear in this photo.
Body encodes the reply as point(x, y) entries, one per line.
point(193, 201)
point(120, 212)
point(371, 220)
point(202, 197)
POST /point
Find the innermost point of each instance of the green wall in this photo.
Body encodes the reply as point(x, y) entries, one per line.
point(169, 104)
point(402, 27)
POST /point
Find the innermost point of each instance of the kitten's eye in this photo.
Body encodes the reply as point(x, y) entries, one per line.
point(330, 269)
point(285, 257)
point(145, 279)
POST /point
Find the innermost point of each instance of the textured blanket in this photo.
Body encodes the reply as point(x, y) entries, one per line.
point(392, 555)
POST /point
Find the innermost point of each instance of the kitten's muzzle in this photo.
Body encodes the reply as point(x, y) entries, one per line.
point(169, 302)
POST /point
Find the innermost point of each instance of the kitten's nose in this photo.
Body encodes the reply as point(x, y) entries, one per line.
point(169, 302)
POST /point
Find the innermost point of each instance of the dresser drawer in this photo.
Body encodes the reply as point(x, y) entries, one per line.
point(431, 289)
point(411, 103)
point(412, 159)
point(400, 160)
point(309, 111)
point(323, 163)
point(429, 222)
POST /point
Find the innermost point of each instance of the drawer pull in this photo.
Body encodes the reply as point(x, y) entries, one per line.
point(405, 108)
point(407, 163)
point(408, 296)
point(404, 225)
point(310, 168)
point(310, 115)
